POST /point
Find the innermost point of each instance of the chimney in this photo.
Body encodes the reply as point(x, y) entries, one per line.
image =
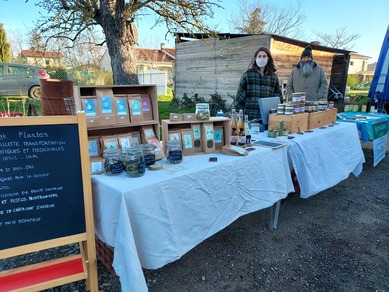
point(162, 46)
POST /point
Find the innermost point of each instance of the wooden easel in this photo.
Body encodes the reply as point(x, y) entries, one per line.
point(64, 270)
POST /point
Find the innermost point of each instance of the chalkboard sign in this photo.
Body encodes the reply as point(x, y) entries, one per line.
point(41, 187)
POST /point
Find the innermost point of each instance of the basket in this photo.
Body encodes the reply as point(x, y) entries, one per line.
point(70, 105)
point(105, 255)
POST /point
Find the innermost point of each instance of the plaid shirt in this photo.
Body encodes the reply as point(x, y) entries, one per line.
point(253, 85)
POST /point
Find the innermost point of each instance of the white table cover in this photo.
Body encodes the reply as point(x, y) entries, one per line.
point(324, 157)
point(155, 219)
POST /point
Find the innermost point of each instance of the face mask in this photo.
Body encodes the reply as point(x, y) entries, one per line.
point(261, 62)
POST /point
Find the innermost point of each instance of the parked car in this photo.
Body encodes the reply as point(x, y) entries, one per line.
point(21, 79)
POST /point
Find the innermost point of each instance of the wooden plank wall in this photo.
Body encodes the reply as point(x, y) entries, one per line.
point(217, 65)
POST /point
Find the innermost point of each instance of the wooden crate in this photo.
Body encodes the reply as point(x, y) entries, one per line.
point(322, 118)
point(330, 116)
point(294, 123)
point(316, 120)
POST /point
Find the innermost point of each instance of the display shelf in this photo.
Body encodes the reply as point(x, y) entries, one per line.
point(217, 122)
point(90, 91)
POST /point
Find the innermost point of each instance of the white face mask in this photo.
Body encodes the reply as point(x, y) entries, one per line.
point(261, 62)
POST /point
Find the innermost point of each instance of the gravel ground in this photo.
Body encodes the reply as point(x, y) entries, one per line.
point(337, 240)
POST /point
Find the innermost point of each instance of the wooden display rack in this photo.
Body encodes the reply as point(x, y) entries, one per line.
point(119, 90)
point(322, 118)
point(168, 125)
point(294, 123)
point(51, 204)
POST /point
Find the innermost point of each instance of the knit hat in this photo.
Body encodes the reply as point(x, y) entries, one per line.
point(307, 52)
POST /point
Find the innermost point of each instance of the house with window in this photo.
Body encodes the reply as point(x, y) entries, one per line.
point(358, 63)
point(42, 58)
point(148, 61)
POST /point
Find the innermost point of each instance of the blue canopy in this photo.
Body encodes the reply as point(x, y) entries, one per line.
point(379, 88)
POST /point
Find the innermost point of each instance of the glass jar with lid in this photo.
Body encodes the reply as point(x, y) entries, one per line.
point(174, 151)
point(113, 164)
point(135, 164)
point(148, 153)
point(202, 111)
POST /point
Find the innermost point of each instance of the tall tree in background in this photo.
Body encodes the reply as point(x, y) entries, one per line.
point(265, 18)
point(341, 39)
point(36, 43)
point(5, 48)
point(73, 19)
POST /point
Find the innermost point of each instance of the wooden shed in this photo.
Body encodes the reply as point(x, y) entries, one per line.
point(215, 65)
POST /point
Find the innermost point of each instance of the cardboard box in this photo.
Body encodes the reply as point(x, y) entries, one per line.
point(208, 138)
point(187, 142)
point(122, 110)
point(90, 107)
point(197, 141)
point(189, 117)
point(294, 123)
point(175, 117)
point(135, 105)
point(96, 165)
point(147, 108)
point(219, 137)
point(94, 147)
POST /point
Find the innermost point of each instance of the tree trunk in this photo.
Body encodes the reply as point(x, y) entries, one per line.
point(121, 37)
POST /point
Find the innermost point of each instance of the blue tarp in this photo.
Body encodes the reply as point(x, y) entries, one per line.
point(379, 88)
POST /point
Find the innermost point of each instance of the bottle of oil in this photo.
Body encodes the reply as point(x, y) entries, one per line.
point(241, 134)
point(233, 128)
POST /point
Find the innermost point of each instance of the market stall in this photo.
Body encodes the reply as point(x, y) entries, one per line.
point(155, 219)
point(322, 157)
point(371, 127)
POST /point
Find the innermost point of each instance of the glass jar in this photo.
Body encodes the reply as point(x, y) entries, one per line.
point(149, 153)
point(174, 151)
point(202, 111)
point(113, 165)
point(135, 164)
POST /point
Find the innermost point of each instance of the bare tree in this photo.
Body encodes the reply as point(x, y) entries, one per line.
point(258, 18)
point(73, 19)
point(341, 39)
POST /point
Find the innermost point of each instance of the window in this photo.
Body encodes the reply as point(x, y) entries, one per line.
point(352, 63)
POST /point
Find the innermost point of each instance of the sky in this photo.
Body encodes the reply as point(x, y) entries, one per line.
point(369, 19)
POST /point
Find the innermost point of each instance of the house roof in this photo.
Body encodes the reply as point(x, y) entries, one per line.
point(158, 55)
point(359, 56)
point(182, 37)
point(41, 54)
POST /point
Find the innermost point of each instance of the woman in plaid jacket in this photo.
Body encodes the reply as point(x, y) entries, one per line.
point(260, 80)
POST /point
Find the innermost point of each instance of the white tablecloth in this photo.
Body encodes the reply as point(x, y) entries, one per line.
point(324, 157)
point(155, 219)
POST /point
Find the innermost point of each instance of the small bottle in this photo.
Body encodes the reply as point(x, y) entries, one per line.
point(247, 129)
point(113, 165)
point(241, 126)
point(233, 127)
point(174, 151)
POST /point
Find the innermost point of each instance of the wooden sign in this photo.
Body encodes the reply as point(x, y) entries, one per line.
point(46, 200)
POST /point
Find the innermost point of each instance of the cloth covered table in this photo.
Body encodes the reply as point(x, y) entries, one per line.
point(364, 122)
point(324, 157)
point(155, 219)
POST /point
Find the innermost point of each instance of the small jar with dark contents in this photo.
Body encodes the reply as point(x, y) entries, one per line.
point(174, 151)
point(148, 153)
point(135, 164)
point(113, 165)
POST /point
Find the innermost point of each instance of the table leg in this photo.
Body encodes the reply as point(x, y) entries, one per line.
point(274, 213)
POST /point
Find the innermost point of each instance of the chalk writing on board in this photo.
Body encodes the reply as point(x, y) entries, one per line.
point(41, 192)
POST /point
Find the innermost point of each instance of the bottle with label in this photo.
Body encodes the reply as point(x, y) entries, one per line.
point(233, 128)
point(247, 129)
point(241, 134)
